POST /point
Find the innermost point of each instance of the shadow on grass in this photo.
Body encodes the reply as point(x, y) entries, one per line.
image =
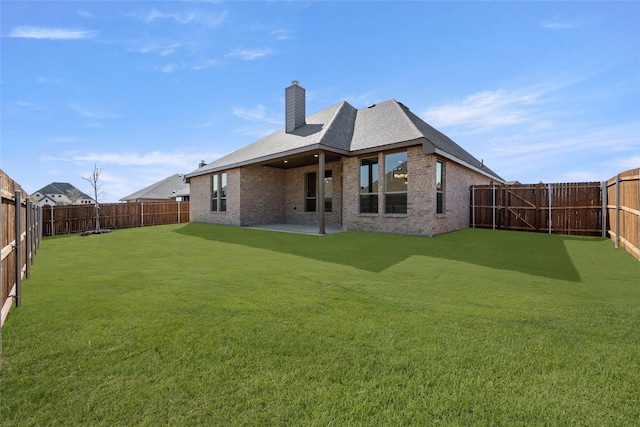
point(531, 253)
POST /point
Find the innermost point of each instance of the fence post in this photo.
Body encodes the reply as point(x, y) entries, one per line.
point(27, 238)
point(473, 206)
point(141, 214)
point(18, 248)
point(549, 219)
point(617, 211)
point(53, 230)
point(603, 197)
point(493, 209)
point(40, 226)
point(178, 211)
point(1, 273)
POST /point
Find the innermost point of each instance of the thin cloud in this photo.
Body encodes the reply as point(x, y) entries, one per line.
point(30, 106)
point(255, 114)
point(178, 161)
point(85, 14)
point(556, 24)
point(169, 68)
point(485, 110)
point(89, 114)
point(251, 54)
point(28, 32)
point(184, 17)
point(162, 49)
point(205, 64)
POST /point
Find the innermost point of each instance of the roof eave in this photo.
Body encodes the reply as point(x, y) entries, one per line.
point(266, 159)
point(429, 148)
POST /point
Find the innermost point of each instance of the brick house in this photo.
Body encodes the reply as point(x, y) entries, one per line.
point(379, 168)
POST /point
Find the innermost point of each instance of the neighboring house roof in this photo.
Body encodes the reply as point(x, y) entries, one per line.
point(168, 188)
point(344, 130)
point(62, 188)
point(46, 200)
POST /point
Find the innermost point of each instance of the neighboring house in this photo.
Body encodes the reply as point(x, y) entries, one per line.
point(60, 194)
point(379, 168)
point(171, 188)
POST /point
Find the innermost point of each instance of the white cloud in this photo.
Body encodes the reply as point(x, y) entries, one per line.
point(179, 160)
point(251, 54)
point(184, 17)
point(29, 106)
point(626, 163)
point(169, 68)
point(282, 34)
point(488, 109)
point(257, 113)
point(162, 49)
point(85, 14)
point(51, 33)
point(556, 23)
point(89, 114)
point(46, 80)
point(207, 63)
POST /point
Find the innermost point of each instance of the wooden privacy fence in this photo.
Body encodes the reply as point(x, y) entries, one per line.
point(20, 237)
point(69, 219)
point(623, 207)
point(584, 208)
point(569, 208)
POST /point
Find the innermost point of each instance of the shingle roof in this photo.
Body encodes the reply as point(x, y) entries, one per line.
point(345, 130)
point(168, 188)
point(61, 188)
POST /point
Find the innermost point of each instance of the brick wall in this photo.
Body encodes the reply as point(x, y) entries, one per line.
point(457, 181)
point(271, 195)
point(295, 196)
point(263, 198)
point(200, 200)
point(421, 218)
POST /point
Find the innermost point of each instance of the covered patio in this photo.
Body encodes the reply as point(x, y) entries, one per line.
point(298, 228)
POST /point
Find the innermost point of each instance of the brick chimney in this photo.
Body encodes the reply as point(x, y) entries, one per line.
point(295, 104)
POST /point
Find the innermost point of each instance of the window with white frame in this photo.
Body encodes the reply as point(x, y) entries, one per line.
point(214, 193)
point(219, 192)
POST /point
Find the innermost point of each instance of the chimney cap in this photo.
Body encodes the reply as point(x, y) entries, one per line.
point(295, 83)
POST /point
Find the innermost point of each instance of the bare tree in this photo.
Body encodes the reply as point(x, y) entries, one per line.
point(94, 180)
point(74, 195)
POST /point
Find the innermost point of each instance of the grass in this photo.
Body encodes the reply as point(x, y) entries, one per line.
point(210, 325)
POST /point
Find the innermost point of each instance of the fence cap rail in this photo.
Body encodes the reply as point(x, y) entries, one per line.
point(8, 195)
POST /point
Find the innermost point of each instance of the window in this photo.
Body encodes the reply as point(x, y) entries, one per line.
point(395, 182)
point(219, 192)
point(214, 193)
point(328, 191)
point(369, 185)
point(439, 188)
point(310, 192)
point(223, 192)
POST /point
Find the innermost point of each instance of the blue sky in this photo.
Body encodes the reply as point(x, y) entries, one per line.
point(541, 91)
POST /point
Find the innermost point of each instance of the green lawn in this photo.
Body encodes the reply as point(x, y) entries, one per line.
point(210, 325)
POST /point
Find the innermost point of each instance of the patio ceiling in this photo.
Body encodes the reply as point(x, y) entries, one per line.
point(300, 160)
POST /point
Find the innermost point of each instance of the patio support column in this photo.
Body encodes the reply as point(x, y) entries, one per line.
point(321, 192)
